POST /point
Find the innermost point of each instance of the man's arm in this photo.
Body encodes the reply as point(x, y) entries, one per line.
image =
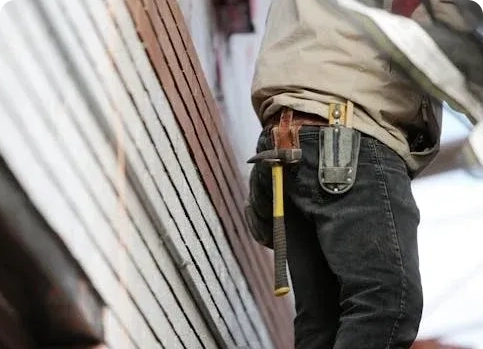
point(473, 150)
point(446, 63)
point(435, 71)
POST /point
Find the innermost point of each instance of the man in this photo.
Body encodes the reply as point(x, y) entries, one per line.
point(351, 239)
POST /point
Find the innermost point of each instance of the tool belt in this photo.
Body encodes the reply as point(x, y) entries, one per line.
point(339, 143)
point(298, 119)
point(338, 149)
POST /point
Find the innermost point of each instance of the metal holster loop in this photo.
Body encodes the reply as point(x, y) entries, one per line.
point(339, 148)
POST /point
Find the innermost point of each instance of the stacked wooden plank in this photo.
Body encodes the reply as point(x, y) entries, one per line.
point(161, 27)
point(144, 205)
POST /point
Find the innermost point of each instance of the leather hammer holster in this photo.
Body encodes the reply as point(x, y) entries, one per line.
point(286, 134)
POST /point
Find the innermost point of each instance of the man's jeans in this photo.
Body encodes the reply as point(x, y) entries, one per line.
point(353, 258)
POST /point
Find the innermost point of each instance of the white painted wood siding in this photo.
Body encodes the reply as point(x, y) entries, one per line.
point(87, 130)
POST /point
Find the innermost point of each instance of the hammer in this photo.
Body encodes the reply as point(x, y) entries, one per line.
point(277, 158)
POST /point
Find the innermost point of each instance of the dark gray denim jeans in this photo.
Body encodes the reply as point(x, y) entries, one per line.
point(353, 258)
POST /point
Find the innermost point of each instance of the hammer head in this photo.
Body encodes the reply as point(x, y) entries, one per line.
point(283, 156)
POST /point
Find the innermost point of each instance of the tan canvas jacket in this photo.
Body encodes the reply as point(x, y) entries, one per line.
point(311, 56)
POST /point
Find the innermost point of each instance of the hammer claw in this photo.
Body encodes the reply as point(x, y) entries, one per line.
point(283, 156)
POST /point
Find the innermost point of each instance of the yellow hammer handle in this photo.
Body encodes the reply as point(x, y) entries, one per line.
point(279, 237)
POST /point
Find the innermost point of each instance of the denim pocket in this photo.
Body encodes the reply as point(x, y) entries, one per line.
point(264, 141)
point(258, 210)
